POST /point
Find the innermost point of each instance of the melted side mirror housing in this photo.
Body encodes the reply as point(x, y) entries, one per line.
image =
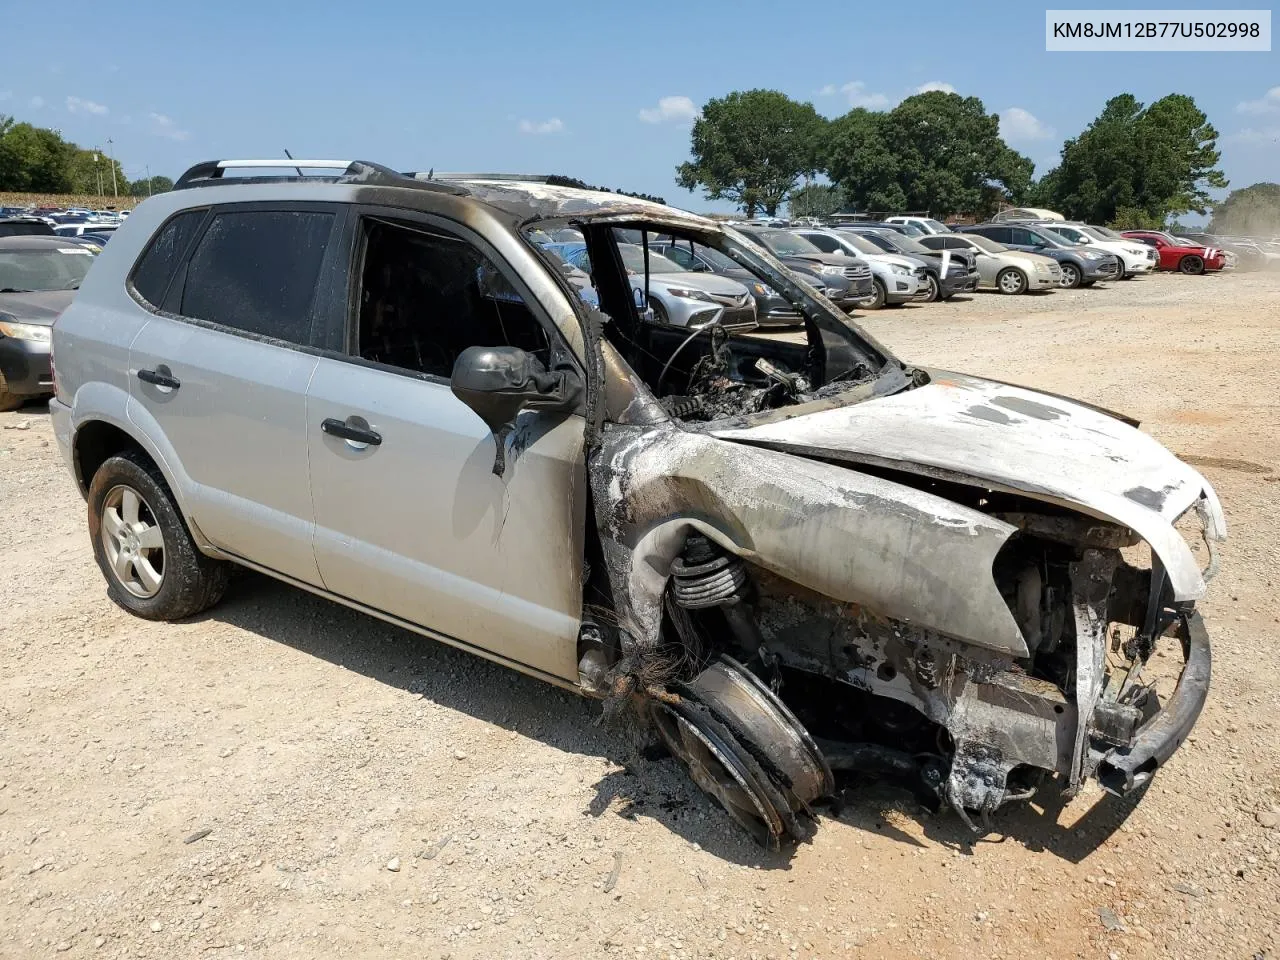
point(498, 382)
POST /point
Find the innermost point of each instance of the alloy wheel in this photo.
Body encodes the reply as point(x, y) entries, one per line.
point(133, 542)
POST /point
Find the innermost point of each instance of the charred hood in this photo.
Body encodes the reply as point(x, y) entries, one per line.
point(1000, 437)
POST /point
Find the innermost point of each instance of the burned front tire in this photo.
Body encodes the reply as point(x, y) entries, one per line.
point(745, 749)
point(152, 566)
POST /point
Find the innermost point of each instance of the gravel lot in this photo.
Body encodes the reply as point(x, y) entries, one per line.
point(354, 790)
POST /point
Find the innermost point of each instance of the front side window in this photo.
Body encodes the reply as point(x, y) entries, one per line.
point(257, 271)
point(426, 295)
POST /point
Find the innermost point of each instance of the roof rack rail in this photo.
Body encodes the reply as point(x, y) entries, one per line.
point(210, 172)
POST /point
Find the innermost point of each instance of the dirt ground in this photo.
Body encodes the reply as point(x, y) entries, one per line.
point(364, 792)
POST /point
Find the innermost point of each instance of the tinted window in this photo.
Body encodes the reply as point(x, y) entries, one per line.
point(823, 242)
point(682, 257)
point(425, 296)
point(1021, 236)
point(998, 234)
point(151, 275)
point(25, 230)
point(256, 271)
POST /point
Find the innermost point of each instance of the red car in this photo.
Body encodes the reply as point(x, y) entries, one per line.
point(1178, 254)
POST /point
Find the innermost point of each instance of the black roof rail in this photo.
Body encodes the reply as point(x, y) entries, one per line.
point(212, 172)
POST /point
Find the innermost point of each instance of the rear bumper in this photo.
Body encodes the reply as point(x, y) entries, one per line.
point(1125, 769)
point(24, 367)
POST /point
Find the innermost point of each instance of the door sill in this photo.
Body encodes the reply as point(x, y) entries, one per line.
point(405, 624)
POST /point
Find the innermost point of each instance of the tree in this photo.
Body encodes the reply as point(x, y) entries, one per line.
point(33, 158)
point(935, 151)
point(751, 148)
point(88, 175)
point(145, 188)
point(816, 200)
point(1252, 211)
point(1150, 162)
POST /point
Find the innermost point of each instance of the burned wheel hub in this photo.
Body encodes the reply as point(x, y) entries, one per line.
point(745, 748)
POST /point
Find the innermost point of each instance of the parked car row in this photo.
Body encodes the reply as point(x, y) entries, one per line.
point(92, 228)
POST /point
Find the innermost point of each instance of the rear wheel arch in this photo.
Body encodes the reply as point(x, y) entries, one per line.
point(95, 442)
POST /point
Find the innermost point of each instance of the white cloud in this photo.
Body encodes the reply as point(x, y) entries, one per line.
point(935, 85)
point(859, 96)
point(1250, 135)
point(76, 105)
point(36, 103)
point(1019, 124)
point(163, 126)
point(554, 125)
point(1267, 103)
point(675, 109)
point(828, 91)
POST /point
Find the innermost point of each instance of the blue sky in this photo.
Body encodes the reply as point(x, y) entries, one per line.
point(605, 94)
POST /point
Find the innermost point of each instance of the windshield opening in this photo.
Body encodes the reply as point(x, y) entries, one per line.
point(41, 271)
point(695, 342)
point(905, 244)
point(938, 226)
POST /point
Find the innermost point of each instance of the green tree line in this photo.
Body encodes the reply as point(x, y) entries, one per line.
point(1135, 164)
point(38, 160)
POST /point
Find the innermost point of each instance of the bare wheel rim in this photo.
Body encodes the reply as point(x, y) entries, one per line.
point(715, 770)
point(1070, 276)
point(1011, 281)
point(132, 541)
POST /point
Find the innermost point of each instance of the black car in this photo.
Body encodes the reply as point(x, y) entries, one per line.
point(1080, 267)
point(962, 267)
point(25, 227)
point(848, 279)
point(38, 279)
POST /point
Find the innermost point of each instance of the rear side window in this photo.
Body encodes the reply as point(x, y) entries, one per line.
point(152, 274)
point(256, 271)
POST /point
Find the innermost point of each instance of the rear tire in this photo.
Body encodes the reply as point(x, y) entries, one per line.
point(1191, 265)
point(1011, 281)
point(152, 566)
point(10, 401)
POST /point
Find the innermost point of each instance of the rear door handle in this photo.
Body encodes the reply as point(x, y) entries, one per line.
point(339, 428)
point(159, 379)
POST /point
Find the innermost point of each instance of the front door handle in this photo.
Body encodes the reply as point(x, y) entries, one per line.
point(160, 378)
point(340, 428)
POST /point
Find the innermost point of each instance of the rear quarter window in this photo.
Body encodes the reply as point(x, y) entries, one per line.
point(156, 266)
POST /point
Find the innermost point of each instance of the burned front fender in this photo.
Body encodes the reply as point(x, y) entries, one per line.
point(906, 554)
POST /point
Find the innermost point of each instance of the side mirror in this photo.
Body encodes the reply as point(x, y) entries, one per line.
point(498, 382)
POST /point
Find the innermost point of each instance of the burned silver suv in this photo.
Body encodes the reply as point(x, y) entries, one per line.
point(794, 559)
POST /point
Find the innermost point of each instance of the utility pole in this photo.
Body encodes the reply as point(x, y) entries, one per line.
point(148, 169)
point(115, 190)
point(96, 172)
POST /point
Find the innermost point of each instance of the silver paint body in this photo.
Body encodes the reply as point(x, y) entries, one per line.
point(419, 531)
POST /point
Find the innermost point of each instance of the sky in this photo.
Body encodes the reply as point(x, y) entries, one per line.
point(606, 94)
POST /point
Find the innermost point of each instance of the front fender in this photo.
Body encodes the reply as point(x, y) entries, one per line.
point(856, 538)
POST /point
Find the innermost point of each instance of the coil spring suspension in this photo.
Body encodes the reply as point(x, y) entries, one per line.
point(704, 576)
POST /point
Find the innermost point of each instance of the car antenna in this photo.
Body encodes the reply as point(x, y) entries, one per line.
point(290, 156)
